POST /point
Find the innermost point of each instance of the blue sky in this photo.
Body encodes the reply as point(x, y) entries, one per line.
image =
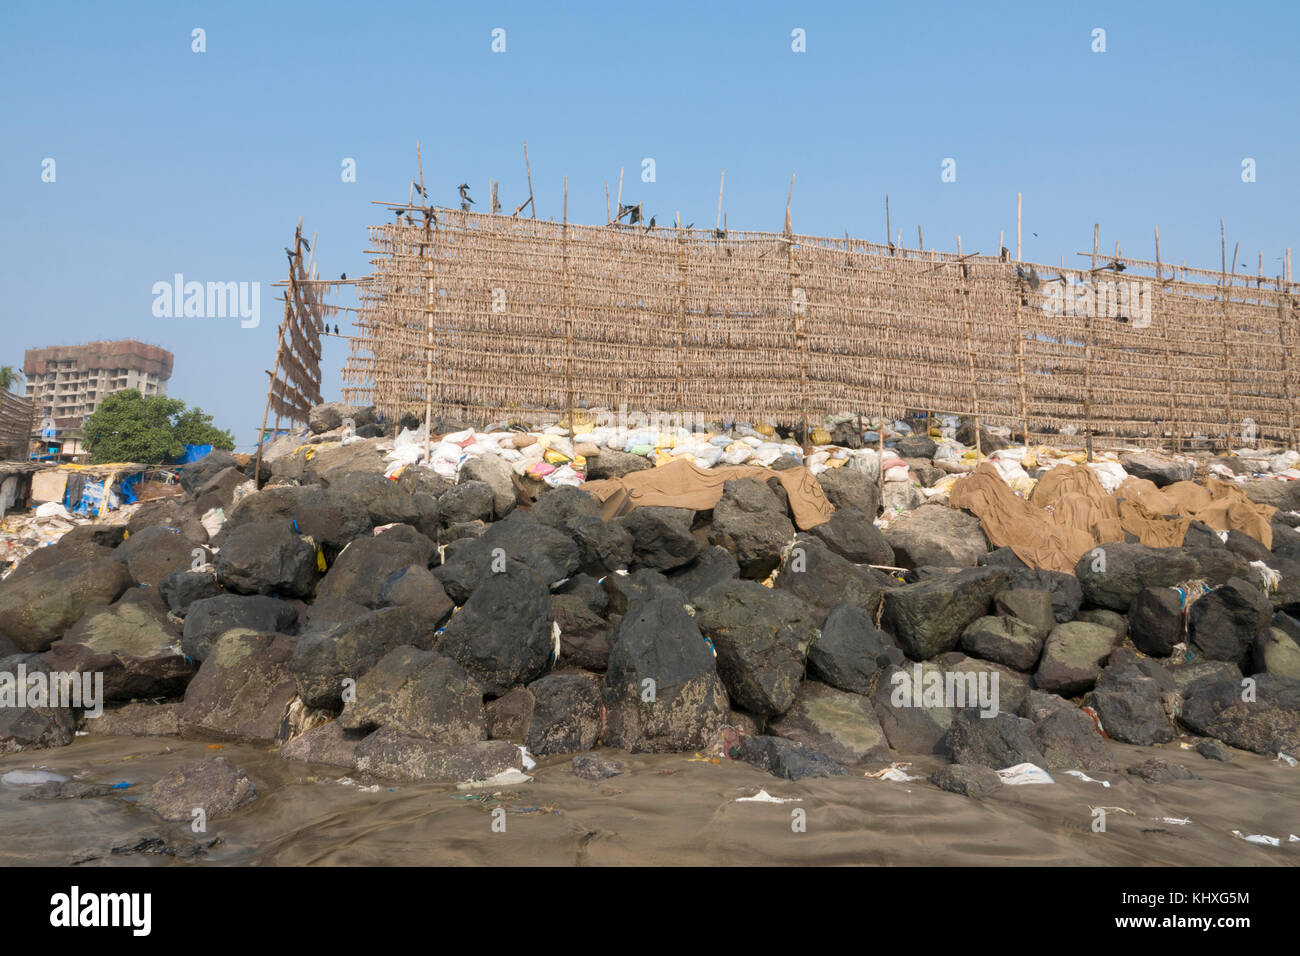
point(171, 161)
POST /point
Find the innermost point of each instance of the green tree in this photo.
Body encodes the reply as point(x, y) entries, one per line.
point(194, 427)
point(129, 427)
point(9, 377)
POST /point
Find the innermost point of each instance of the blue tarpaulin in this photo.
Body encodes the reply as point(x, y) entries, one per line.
point(193, 453)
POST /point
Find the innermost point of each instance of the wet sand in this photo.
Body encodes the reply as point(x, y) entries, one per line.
point(663, 810)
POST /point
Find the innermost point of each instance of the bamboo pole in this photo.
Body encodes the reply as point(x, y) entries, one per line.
point(568, 317)
point(970, 351)
point(1227, 347)
point(619, 204)
point(532, 206)
point(1019, 202)
point(1175, 431)
point(721, 180)
point(1285, 306)
point(1087, 349)
point(889, 230)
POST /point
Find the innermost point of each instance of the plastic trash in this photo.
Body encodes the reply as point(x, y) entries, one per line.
point(1087, 779)
point(1024, 773)
point(764, 797)
point(23, 777)
point(896, 772)
point(1258, 838)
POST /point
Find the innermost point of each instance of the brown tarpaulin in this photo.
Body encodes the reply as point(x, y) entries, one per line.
point(682, 484)
point(1070, 513)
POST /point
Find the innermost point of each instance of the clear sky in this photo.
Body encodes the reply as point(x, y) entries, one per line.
point(169, 161)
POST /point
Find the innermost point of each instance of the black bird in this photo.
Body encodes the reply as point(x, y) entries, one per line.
point(465, 201)
point(691, 225)
point(1035, 235)
point(306, 243)
point(720, 233)
point(288, 252)
point(336, 328)
point(1005, 254)
point(343, 277)
point(419, 189)
point(1117, 266)
point(652, 224)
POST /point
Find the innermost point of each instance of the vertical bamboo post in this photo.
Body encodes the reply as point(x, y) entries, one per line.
point(681, 318)
point(798, 311)
point(532, 206)
point(618, 204)
point(270, 389)
point(1170, 378)
point(721, 181)
point(568, 318)
point(1020, 358)
point(1087, 346)
point(607, 202)
point(889, 233)
point(1227, 346)
point(1284, 307)
point(1019, 202)
point(920, 239)
point(970, 348)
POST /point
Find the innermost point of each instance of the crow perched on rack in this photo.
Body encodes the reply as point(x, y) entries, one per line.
point(305, 243)
point(1005, 254)
point(343, 277)
point(652, 224)
point(1117, 266)
point(336, 328)
point(633, 213)
point(419, 189)
point(465, 201)
point(720, 233)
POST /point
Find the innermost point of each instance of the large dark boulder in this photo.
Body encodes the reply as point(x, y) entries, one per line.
point(32, 728)
point(750, 521)
point(819, 577)
point(712, 565)
point(1128, 699)
point(1263, 717)
point(209, 618)
point(585, 636)
point(854, 536)
point(1112, 575)
point(1157, 468)
point(180, 589)
point(243, 690)
point(267, 558)
point(469, 501)
point(493, 471)
point(324, 657)
point(787, 758)
point(551, 554)
point(36, 610)
point(155, 553)
point(197, 473)
point(1073, 656)
point(662, 692)
point(928, 617)
point(132, 644)
point(1002, 740)
point(1155, 621)
point(850, 490)
point(850, 650)
point(1005, 640)
point(360, 572)
point(171, 515)
point(393, 755)
point(937, 535)
point(555, 506)
point(1225, 623)
point(215, 785)
point(1067, 737)
point(611, 463)
point(762, 637)
point(911, 722)
point(661, 537)
point(843, 726)
point(502, 635)
point(566, 714)
point(421, 694)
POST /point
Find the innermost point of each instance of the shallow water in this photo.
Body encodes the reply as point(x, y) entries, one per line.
point(664, 809)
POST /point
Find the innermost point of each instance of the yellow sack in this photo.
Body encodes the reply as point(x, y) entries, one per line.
point(766, 430)
point(556, 457)
point(821, 436)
